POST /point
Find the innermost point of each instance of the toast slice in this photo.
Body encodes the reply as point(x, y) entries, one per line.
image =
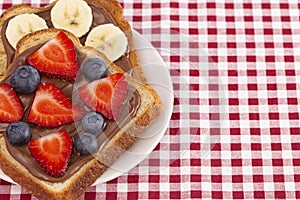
point(76, 184)
point(111, 8)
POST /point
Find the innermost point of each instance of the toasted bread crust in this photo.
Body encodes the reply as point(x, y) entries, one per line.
point(112, 6)
point(77, 184)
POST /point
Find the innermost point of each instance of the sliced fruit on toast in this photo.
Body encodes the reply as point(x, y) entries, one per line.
point(105, 95)
point(21, 25)
point(56, 58)
point(52, 152)
point(74, 16)
point(52, 108)
point(10, 107)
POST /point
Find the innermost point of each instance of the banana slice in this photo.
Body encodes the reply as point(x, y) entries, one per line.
point(109, 39)
point(21, 25)
point(74, 16)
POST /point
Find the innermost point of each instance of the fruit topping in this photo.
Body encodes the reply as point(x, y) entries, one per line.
point(10, 106)
point(51, 107)
point(18, 133)
point(56, 58)
point(86, 143)
point(52, 152)
point(106, 95)
point(22, 24)
point(92, 122)
point(108, 39)
point(72, 15)
point(94, 68)
point(25, 79)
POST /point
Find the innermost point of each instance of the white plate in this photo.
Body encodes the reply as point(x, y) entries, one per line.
point(159, 78)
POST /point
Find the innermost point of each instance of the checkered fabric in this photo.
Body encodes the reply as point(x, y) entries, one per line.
point(234, 132)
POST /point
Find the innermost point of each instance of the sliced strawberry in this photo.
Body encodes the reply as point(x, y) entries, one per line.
point(52, 152)
point(56, 58)
point(106, 95)
point(51, 107)
point(10, 107)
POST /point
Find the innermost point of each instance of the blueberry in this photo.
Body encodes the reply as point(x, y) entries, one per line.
point(86, 143)
point(94, 68)
point(25, 79)
point(92, 122)
point(18, 133)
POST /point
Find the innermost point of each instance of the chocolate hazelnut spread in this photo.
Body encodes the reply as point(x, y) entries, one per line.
point(111, 128)
point(100, 16)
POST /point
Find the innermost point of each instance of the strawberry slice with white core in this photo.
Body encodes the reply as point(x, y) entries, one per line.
point(10, 106)
point(106, 95)
point(52, 152)
point(51, 107)
point(56, 58)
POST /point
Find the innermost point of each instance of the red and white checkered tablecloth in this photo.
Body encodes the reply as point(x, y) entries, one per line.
point(234, 131)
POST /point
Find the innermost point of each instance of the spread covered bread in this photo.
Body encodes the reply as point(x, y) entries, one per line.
point(110, 128)
point(70, 110)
